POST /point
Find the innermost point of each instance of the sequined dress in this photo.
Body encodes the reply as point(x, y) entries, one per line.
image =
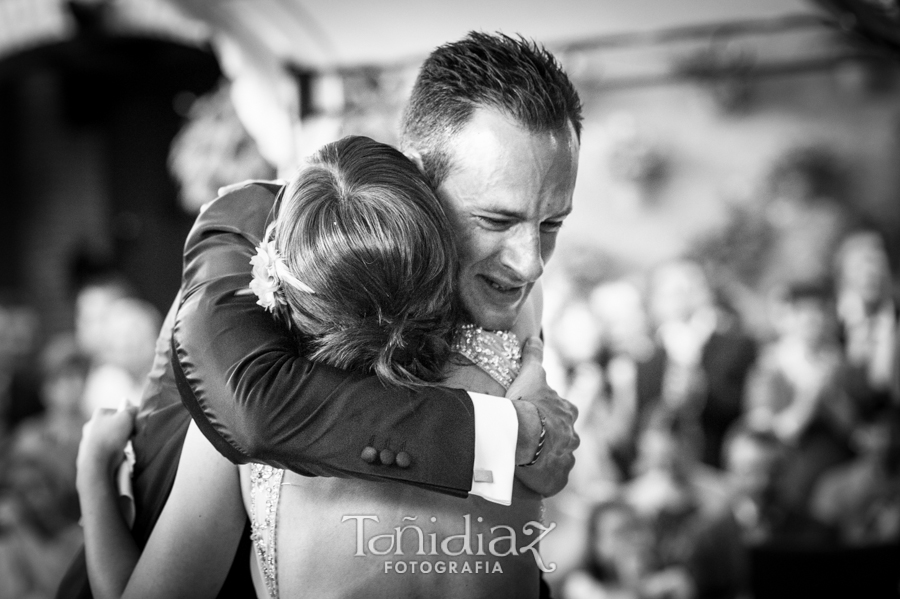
point(498, 353)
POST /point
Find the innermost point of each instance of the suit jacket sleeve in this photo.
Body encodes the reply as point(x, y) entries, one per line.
point(246, 383)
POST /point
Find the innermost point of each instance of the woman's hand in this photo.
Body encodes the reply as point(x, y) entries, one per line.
point(103, 441)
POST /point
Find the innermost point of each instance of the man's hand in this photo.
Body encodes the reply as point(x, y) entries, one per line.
point(550, 473)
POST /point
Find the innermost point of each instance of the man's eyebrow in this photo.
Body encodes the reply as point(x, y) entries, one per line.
point(505, 212)
point(561, 215)
point(509, 213)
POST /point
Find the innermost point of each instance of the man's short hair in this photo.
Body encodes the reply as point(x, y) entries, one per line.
point(515, 76)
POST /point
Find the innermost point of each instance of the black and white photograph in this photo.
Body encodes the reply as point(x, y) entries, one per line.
point(407, 299)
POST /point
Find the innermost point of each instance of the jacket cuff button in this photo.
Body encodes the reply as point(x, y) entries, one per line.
point(387, 457)
point(403, 459)
point(369, 455)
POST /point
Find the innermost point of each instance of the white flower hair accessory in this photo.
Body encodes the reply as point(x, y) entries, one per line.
point(269, 271)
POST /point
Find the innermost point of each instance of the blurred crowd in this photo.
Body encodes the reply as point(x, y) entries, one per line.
point(715, 458)
point(47, 392)
point(720, 460)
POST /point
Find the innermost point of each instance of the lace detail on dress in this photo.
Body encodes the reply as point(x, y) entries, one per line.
point(495, 352)
point(265, 482)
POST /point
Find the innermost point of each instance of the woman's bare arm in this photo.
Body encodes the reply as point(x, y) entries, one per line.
point(193, 544)
point(110, 551)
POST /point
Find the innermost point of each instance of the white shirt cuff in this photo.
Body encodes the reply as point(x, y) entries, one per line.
point(496, 434)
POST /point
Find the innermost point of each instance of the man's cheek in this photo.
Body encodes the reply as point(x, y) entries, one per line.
point(548, 245)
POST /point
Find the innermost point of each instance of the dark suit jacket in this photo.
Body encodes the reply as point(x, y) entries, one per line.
point(255, 396)
point(243, 378)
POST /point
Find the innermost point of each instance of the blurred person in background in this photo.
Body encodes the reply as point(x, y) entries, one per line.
point(39, 531)
point(694, 534)
point(618, 555)
point(755, 464)
point(867, 314)
point(19, 378)
point(668, 471)
point(861, 499)
point(572, 342)
point(795, 391)
point(572, 335)
point(808, 211)
point(573, 338)
point(38, 535)
point(57, 430)
point(626, 352)
point(93, 299)
point(124, 354)
point(707, 354)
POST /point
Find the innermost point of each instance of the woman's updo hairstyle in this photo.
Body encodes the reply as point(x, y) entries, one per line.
point(361, 227)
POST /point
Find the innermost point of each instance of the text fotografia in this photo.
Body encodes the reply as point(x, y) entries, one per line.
point(444, 567)
point(412, 540)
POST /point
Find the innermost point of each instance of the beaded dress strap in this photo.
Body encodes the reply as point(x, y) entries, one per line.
point(265, 480)
point(495, 352)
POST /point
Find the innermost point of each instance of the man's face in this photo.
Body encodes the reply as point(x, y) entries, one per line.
point(507, 194)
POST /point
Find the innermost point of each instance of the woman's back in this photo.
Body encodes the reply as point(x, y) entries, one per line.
point(354, 538)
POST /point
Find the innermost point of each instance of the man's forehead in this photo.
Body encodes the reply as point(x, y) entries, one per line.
point(492, 121)
point(499, 163)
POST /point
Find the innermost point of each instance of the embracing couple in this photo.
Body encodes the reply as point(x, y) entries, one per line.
point(393, 306)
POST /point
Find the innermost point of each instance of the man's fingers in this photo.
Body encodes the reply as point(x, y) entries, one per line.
point(531, 377)
point(574, 442)
point(126, 405)
point(533, 352)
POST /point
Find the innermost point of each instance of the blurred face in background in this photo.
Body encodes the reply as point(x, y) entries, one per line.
point(63, 391)
point(38, 494)
point(18, 334)
point(64, 370)
point(575, 334)
point(863, 267)
point(753, 466)
point(808, 320)
point(660, 451)
point(507, 193)
point(880, 439)
point(619, 310)
point(130, 332)
point(92, 306)
point(677, 291)
point(623, 539)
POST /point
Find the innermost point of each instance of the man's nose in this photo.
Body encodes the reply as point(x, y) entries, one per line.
point(522, 255)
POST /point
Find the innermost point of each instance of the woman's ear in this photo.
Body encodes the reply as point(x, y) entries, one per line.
point(414, 155)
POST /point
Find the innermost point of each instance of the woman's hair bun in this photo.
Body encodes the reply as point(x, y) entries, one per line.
point(404, 352)
point(361, 227)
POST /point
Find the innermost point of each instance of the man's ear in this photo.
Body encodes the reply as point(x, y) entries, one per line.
point(414, 155)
